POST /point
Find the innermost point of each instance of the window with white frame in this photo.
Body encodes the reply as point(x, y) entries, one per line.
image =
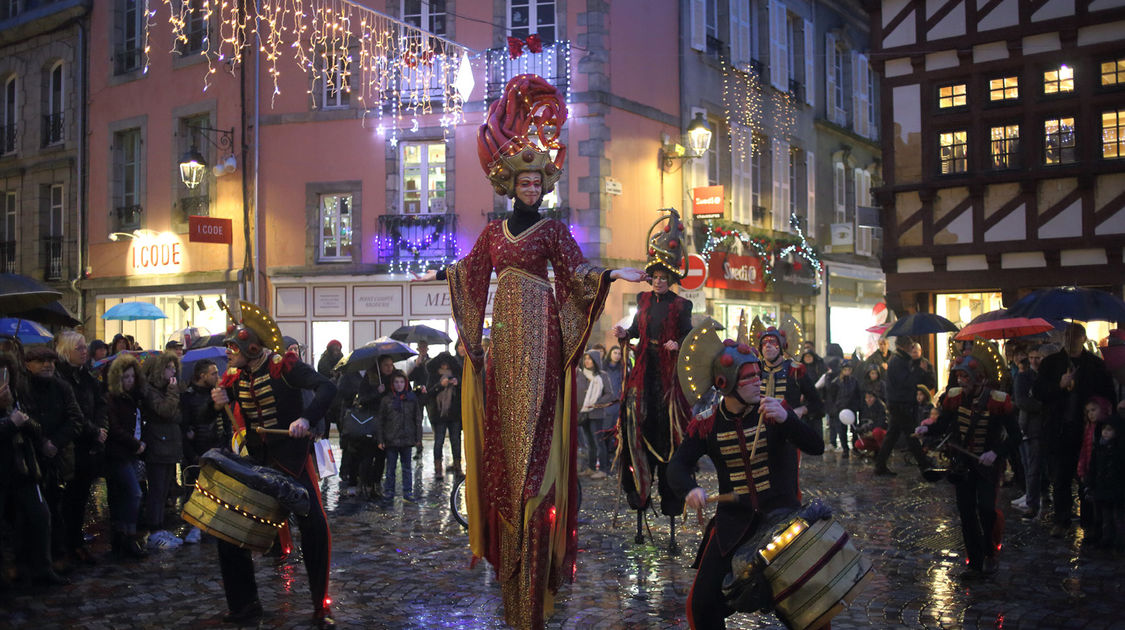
point(428, 15)
point(423, 178)
point(532, 17)
point(127, 179)
point(10, 116)
point(195, 28)
point(796, 182)
point(336, 92)
point(8, 232)
point(862, 188)
point(335, 228)
point(54, 213)
point(740, 175)
point(756, 175)
point(128, 35)
point(53, 120)
point(835, 75)
point(839, 193)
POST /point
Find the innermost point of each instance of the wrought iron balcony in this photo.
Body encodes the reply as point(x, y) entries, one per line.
point(551, 64)
point(8, 256)
point(53, 128)
point(127, 217)
point(416, 241)
point(7, 139)
point(53, 257)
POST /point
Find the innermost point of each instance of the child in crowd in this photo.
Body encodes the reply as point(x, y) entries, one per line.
point(398, 430)
point(872, 427)
point(924, 404)
point(843, 393)
point(1100, 485)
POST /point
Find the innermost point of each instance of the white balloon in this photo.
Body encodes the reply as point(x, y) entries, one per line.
point(847, 416)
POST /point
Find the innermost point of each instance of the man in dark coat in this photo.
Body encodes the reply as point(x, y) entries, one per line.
point(267, 387)
point(904, 374)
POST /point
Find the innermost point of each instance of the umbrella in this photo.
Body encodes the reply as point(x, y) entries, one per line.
point(187, 336)
point(20, 293)
point(921, 324)
point(1070, 303)
point(1005, 328)
point(215, 353)
point(367, 356)
point(25, 330)
point(132, 311)
point(208, 341)
point(879, 329)
point(419, 332)
point(51, 314)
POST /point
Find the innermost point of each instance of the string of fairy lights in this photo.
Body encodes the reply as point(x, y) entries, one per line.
point(722, 235)
point(745, 107)
point(417, 254)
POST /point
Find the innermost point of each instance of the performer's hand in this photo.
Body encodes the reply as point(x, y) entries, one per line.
point(619, 332)
point(801, 411)
point(299, 428)
point(922, 430)
point(671, 346)
point(102, 435)
point(628, 274)
point(429, 276)
point(987, 458)
point(219, 397)
point(17, 417)
point(696, 499)
point(772, 410)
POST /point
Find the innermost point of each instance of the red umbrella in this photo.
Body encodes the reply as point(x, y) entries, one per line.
point(879, 329)
point(1004, 328)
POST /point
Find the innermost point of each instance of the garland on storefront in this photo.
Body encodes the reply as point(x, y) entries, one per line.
point(722, 235)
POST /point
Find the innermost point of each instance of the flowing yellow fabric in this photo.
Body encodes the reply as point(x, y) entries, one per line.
point(472, 422)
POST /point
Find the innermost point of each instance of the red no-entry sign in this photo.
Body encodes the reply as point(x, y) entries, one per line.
point(696, 273)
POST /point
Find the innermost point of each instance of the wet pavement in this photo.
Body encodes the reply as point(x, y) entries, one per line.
point(407, 566)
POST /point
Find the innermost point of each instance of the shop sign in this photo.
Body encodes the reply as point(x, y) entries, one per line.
point(741, 273)
point(433, 299)
point(156, 253)
point(707, 202)
point(209, 230)
point(379, 300)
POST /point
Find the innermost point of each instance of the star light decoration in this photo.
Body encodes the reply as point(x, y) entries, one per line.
point(389, 67)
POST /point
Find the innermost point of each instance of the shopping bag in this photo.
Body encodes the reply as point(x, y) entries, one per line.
point(325, 459)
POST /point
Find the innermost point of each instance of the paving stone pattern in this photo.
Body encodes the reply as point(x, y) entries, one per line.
point(407, 566)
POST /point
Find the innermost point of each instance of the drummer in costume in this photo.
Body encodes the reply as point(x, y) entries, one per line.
point(267, 388)
point(655, 413)
point(984, 430)
point(747, 436)
point(784, 378)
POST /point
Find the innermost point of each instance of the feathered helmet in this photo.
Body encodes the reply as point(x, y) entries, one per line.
point(666, 246)
point(705, 362)
point(782, 342)
point(507, 147)
point(256, 331)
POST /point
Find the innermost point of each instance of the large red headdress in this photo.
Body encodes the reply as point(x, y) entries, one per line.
point(506, 144)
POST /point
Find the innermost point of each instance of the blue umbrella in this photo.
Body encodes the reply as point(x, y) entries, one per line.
point(218, 354)
point(1085, 305)
point(920, 324)
point(367, 356)
point(132, 311)
point(27, 331)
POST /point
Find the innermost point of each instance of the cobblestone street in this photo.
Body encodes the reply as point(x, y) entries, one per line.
point(407, 566)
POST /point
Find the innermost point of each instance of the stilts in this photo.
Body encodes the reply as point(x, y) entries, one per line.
point(673, 548)
point(640, 537)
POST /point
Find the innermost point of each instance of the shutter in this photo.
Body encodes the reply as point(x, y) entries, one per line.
point(810, 65)
point(839, 193)
point(810, 182)
point(786, 176)
point(857, 177)
point(830, 103)
point(740, 38)
point(854, 58)
point(740, 174)
point(779, 200)
point(699, 25)
point(779, 58)
point(863, 113)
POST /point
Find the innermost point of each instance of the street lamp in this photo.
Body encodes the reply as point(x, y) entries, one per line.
point(193, 165)
point(699, 140)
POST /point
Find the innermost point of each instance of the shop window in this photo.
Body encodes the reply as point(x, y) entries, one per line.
point(1113, 134)
point(954, 156)
point(336, 228)
point(950, 96)
point(1113, 72)
point(1058, 140)
point(532, 17)
point(423, 178)
point(1005, 146)
point(1058, 80)
point(1004, 89)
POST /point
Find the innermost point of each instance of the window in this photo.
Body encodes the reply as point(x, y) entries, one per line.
point(1058, 140)
point(8, 232)
point(127, 179)
point(337, 84)
point(195, 27)
point(423, 178)
point(11, 115)
point(796, 162)
point(53, 120)
point(52, 217)
point(839, 193)
point(527, 17)
point(838, 69)
point(1003, 89)
point(1004, 146)
point(128, 36)
point(954, 152)
point(950, 96)
point(428, 15)
point(756, 176)
point(872, 101)
point(1113, 134)
point(1113, 72)
point(740, 174)
point(335, 228)
point(9, 9)
point(1058, 80)
point(192, 201)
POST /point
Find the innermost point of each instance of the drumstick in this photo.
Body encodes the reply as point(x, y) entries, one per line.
point(265, 431)
point(729, 497)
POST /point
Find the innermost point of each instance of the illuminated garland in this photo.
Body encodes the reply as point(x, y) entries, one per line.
point(721, 235)
point(395, 242)
point(543, 63)
point(389, 66)
point(744, 105)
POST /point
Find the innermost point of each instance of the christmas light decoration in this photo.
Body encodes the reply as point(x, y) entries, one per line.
point(388, 66)
point(742, 103)
point(413, 255)
point(722, 235)
point(545, 63)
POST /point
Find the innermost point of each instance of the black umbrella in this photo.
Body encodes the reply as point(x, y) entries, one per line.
point(367, 356)
point(208, 341)
point(419, 332)
point(20, 293)
point(921, 324)
point(51, 314)
point(1085, 305)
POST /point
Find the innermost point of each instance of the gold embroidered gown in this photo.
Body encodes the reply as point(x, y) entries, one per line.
point(520, 447)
